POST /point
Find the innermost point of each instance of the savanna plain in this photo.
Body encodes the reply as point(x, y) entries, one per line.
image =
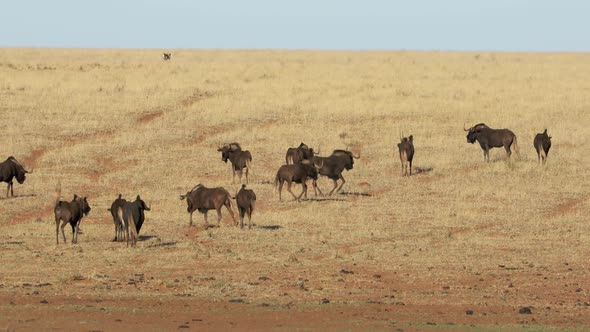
point(460, 245)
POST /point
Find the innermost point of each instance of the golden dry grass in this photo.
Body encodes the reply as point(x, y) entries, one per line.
point(466, 234)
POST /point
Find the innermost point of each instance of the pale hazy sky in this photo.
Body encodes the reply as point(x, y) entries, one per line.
point(507, 25)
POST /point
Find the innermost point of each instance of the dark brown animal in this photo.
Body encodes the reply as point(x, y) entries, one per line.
point(239, 159)
point(166, 56)
point(297, 173)
point(542, 144)
point(132, 214)
point(406, 154)
point(204, 199)
point(119, 226)
point(299, 154)
point(245, 199)
point(70, 213)
point(10, 169)
point(492, 138)
point(333, 166)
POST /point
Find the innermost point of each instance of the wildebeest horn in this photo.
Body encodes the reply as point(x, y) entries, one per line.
point(357, 156)
point(31, 171)
point(320, 165)
point(465, 129)
point(182, 197)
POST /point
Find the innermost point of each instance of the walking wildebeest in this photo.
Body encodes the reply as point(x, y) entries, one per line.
point(70, 213)
point(9, 169)
point(406, 154)
point(132, 214)
point(333, 165)
point(492, 138)
point(542, 144)
point(245, 199)
point(119, 227)
point(204, 199)
point(239, 159)
point(166, 56)
point(298, 154)
point(298, 173)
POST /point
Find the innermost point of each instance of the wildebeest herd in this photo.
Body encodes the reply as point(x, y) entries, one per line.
point(301, 164)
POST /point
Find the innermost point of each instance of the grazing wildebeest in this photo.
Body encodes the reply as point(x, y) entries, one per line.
point(406, 154)
point(298, 154)
point(132, 214)
point(239, 159)
point(245, 199)
point(492, 138)
point(9, 169)
point(333, 165)
point(204, 199)
point(70, 213)
point(542, 144)
point(298, 173)
point(166, 56)
point(119, 227)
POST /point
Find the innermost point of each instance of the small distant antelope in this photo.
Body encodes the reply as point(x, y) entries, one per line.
point(166, 56)
point(542, 144)
point(406, 154)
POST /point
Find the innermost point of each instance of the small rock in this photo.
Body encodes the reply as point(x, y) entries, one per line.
point(346, 271)
point(183, 326)
point(264, 278)
point(325, 301)
point(525, 311)
point(236, 301)
point(43, 301)
point(469, 312)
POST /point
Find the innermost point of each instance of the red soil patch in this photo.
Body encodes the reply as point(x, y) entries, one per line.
point(32, 159)
point(37, 213)
point(565, 208)
point(149, 117)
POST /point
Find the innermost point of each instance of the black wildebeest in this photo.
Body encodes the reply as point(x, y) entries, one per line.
point(239, 159)
point(298, 154)
point(406, 154)
point(333, 166)
point(132, 214)
point(10, 169)
point(492, 138)
point(298, 173)
point(119, 227)
point(245, 199)
point(542, 144)
point(166, 56)
point(204, 199)
point(70, 213)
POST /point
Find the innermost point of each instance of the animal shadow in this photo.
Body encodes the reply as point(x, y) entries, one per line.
point(422, 170)
point(354, 193)
point(271, 227)
point(19, 196)
point(322, 199)
point(147, 237)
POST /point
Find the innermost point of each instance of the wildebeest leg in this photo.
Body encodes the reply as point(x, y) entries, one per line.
point(335, 185)
point(240, 175)
point(508, 152)
point(543, 157)
point(63, 232)
point(315, 186)
point(57, 230)
point(281, 182)
point(303, 190)
point(11, 184)
point(206, 222)
point(342, 183)
point(242, 213)
point(410, 168)
point(250, 217)
point(218, 215)
point(289, 190)
point(190, 220)
point(76, 231)
point(247, 168)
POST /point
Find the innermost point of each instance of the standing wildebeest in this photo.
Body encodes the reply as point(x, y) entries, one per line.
point(166, 56)
point(406, 154)
point(132, 215)
point(333, 166)
point(119, 228)
point(70, 213)
point(298, 173)
point(299, 154)
point(245, 199)
point(204, 199)
point(239, 159)
point(9, 169)
point(542, 144)
point(492, 138)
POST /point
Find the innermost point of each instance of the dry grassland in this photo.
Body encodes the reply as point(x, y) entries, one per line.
point(390, 253)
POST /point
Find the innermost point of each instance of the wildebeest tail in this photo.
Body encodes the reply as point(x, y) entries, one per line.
point(57, 194)
point(515, 146)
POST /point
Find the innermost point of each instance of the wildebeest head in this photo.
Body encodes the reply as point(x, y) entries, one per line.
point(21, 172)
point(474, 131)
point(227, 149)
point(347, 157)
point(189, 199)
point(83, 203)
point(141, 203)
